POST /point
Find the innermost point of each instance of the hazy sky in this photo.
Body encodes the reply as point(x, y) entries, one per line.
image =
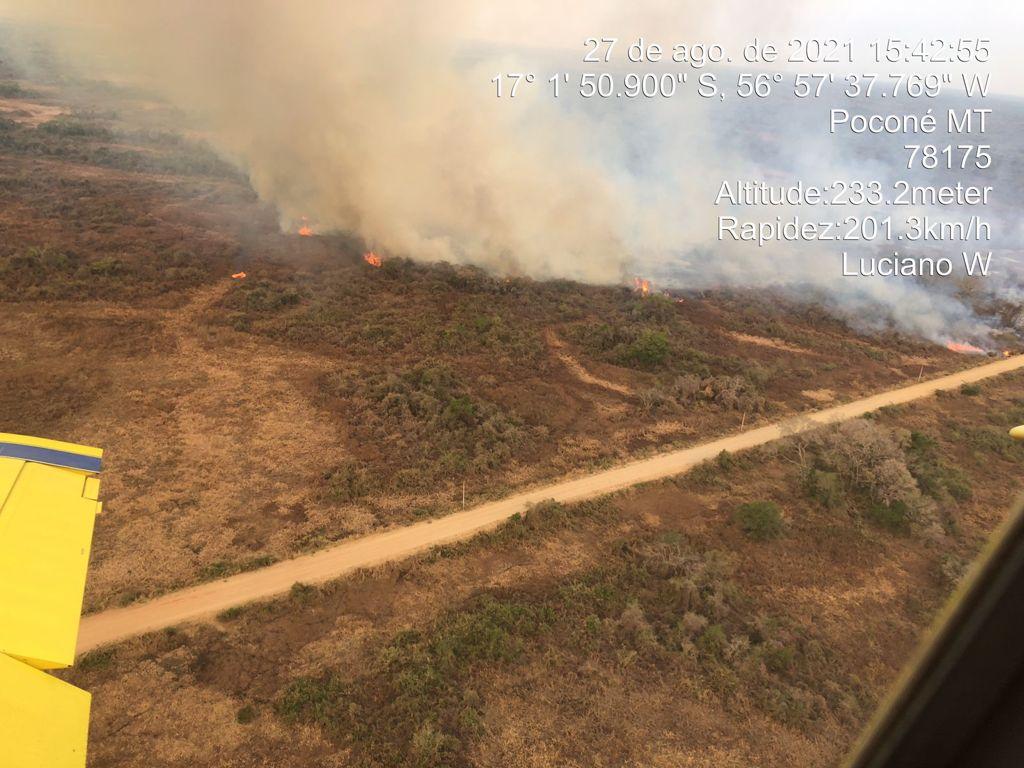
point(560, 24)
point(734, 22)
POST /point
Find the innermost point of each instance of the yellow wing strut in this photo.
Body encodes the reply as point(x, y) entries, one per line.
point(48, 504)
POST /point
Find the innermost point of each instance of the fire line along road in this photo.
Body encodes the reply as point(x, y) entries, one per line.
point(207, 600)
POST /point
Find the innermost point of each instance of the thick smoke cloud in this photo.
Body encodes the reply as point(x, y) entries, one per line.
point(379, 118)
point(362, 117)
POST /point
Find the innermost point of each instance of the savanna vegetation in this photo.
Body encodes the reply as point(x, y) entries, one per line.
point(342, 397)
point(750, 612)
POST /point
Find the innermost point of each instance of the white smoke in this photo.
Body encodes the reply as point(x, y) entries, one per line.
point(379, 118)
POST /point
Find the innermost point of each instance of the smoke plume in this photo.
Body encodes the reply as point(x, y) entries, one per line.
point(379, 118)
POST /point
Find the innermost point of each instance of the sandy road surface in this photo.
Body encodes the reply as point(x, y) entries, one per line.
point(209, 599)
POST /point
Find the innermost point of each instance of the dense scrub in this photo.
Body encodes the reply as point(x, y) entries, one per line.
point(49, 272)
point(659, 606)
point(426, 421)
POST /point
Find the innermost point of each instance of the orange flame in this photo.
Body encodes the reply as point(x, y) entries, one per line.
point(238, 276)
point(372, 259)
point(965, 349)
point(305, 230)
point(1007, 353)
point(641, 286)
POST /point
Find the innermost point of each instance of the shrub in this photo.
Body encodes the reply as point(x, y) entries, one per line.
point(347, 483)
point(99, 659)
point(425, 421)
point(430, 746)
point(895, 516)
point(10, 89)
point(302, 594)
point(47, 272)
point(246, 714)
point(230, 614)
point(760, 520)
point(933, 476)
point(712, 641)
point(692, 624)
point(826, 488)
point(312, 700)
point(544, 515)
point(687, 387)
point(870, 460)
point(74, 128)
point(266, 297)
point(649, 350)
point(779, 658)
point(957, 485)
point(220, 569)
point(416, 702)
point(653, 400)
point(634, 626)
point(732, 393)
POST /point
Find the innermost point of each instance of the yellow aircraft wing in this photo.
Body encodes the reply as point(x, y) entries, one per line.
point(1017, 433)
point(48, 504)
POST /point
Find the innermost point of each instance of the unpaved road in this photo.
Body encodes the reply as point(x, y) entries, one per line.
point(206, 600)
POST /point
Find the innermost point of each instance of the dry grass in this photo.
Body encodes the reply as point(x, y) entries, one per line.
point(650, 629)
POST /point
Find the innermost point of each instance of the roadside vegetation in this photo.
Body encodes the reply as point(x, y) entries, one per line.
point(774, 593)
point(660, 607)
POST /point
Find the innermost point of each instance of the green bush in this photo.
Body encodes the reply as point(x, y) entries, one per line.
point(760, 520)
point(347, 483)
point(265, 297)
point(99, 659)
point(826, 488)
point(653, 600)
point(70, 127)
point(649, 350)
point(779, 658)
point(712, 641)
point(417, 683)
point(430, 747)
point(894, 517)
point(958, 486)
point(221, 569)
point(312, 700)
point(934, 477)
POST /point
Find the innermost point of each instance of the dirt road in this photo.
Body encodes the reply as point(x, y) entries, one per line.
point(209, 599)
